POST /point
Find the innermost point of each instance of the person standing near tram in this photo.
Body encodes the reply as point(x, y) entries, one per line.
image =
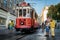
point(43, 26)
point(52, 27)
point(47, 27)
point(10, 26)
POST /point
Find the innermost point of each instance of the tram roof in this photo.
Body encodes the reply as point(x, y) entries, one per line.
point(24, 7)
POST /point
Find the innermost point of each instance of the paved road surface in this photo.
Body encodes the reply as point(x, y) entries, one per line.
point(38, 35)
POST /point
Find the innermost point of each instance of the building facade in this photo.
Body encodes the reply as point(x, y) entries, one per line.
point(8, 5)
point(7, 11)
point(5, 17)
point(44, 14)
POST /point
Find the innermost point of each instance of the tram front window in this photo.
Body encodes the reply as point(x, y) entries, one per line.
point(28, 14)
point(20, 12)
point(24, 12)
point(31, 12)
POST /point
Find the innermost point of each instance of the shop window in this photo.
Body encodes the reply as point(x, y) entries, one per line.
point(10, 3)
point(2, 21)
point(14, 1)
point(5, 3)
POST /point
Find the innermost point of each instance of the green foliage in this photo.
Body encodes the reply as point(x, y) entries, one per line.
point(54, 11)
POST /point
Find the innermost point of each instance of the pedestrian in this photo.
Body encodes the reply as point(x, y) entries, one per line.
point(42, 27)
point(47, 28)
point(10, 26)
point(52, 27)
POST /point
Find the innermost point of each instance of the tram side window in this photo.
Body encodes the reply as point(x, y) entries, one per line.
point(20, 12)
point(28, 14)
point(31, 12)
point(24, 12)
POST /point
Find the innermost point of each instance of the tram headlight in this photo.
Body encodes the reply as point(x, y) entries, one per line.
point(22, 23)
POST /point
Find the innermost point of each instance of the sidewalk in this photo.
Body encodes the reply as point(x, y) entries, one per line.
point(5, 31)
point(57, 30)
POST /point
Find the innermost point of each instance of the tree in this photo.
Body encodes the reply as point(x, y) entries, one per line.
point(54, 11)
point(58, 11)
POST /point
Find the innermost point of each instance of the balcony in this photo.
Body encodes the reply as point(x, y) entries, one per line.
point(3, 8)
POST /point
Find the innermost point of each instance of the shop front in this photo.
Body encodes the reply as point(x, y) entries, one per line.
point(3, 18)
point(2, 22)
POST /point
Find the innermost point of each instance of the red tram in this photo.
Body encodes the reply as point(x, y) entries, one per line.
point(26, 18)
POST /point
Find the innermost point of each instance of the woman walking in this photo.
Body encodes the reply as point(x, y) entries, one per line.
point(52, 27)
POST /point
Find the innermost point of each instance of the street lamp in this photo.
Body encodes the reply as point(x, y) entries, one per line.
point(57, 13)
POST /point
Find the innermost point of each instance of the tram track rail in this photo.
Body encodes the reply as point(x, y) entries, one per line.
point(17, 37)
point(21, 37)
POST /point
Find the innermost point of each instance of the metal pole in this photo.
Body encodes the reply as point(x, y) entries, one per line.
point(22, 11)
point(18, 13)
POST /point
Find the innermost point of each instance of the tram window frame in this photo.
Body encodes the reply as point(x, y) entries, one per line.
point(28, 13)
point(24, 12)
point(20, 12)
point(31, 12)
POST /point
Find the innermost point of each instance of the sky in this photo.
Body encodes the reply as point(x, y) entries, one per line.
point(38, 5)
